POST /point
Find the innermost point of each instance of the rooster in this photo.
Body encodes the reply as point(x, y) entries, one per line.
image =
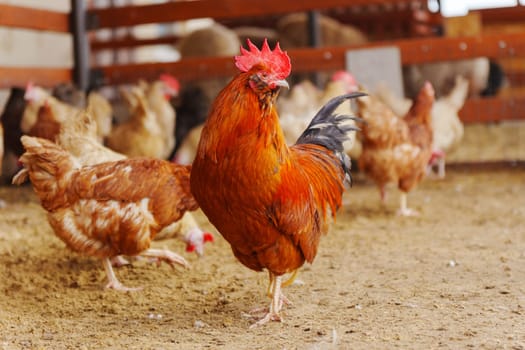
point(271, 202)
point(107, 209)
point(397, 150)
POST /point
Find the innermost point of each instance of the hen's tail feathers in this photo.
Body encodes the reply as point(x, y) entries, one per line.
point(331, 130)
point(43, 157)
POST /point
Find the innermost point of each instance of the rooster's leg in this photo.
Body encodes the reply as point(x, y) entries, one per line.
point(114, 283)
point(286, 283)
point(290, 279)
point(167, 256)
point(276, 304)
point(403, 209)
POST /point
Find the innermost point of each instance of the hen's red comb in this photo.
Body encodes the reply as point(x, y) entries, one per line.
point(29, 90)
point(277, 61)
point(171, 81)
point(343, 75)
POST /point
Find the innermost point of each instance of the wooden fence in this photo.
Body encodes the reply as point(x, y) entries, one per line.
point(413, 50)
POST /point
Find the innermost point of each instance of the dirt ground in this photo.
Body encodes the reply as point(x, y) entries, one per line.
point(452, 278)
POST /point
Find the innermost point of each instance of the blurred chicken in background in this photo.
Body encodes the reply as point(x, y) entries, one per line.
point(158, 95)
point(397, 150)
point(446, 124)
point(141, 135)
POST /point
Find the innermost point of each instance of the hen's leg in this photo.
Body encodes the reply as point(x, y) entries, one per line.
point(441, 167)
point(166, 255)
point(382, 193)
point(276, 304)
point(290, 279)
point(114, 283)
point(403, 209)
point(119, 261)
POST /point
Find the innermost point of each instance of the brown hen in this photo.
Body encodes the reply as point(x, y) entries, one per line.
point(107, 209)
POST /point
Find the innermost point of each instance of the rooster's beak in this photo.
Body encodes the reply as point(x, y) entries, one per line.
point(282, 83)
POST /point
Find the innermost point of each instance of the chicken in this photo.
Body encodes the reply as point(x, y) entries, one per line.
point(271, 202)
point(141, 135)
point(448, 128)
point(187, 150)
point(2, 202)
point(397, 150)
point(70, 94)
point(399, 105)
point(46, 124)
point(100, 108)
point(1, 146)
point(10, 118)
point(192, 106)
point(446, 125)
point(158, 95)
point(78, 137)
point(43, 123)
point(188, 229)
point(107, 209)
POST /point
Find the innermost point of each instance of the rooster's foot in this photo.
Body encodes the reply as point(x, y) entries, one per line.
point(270, 316)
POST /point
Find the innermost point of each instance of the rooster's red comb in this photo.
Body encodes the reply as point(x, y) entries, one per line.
point(277, 61)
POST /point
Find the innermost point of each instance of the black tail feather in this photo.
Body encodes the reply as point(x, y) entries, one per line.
point(331, 130)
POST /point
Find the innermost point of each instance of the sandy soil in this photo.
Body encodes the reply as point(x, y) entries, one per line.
point(452, 278)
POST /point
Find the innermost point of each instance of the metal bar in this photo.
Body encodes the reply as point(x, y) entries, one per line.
point(314, 38)
point(29, 18)
point(80, 45)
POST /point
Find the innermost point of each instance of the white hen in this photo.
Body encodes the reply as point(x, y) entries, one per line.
point(448, 128)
